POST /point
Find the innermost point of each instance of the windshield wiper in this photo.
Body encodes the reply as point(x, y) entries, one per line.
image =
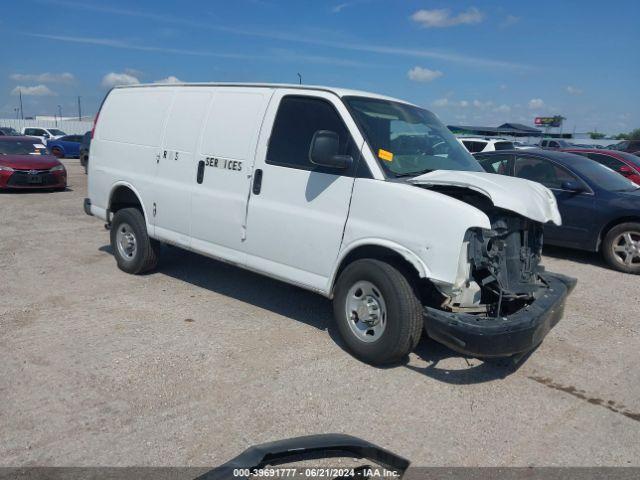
point(414, 174)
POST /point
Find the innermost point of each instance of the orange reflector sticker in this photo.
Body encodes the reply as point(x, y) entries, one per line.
point(384, 155)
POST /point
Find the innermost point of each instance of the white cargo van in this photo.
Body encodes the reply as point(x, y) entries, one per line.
point(365, 199)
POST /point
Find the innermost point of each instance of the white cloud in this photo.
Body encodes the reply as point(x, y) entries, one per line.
point(46, 77)
point(471, 60)
point(441, 102)
point(439, 18)
point(463, 103)
point(502, 108)
point(536, 103)
point(341, 6)
point(503, 86)
point(573, 90)
point(133, 72)
point(112, 79)
point(169, 79)
point(34, 91)
point(420, 74)
point(509, 20)
point(482, 105)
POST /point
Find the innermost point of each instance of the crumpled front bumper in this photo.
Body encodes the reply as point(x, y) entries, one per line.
point(517, 333)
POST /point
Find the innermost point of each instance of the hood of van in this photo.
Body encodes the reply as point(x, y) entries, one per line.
point(529, 199)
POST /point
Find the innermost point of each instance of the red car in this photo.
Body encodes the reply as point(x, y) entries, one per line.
point(24, 164)
point(624, 163)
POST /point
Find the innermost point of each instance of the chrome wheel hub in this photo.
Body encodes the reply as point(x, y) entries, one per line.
point(366, 311)
point(626, 248)
point(126, 241)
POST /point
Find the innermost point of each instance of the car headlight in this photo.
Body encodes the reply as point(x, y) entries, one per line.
point(6, 169)
point(57, 168)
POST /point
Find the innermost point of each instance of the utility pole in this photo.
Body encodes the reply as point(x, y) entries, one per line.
point(299, 79)
point(17, 110)
point(79, 109)
point(21, 110)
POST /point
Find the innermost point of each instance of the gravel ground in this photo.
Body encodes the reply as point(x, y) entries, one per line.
point(194, 362)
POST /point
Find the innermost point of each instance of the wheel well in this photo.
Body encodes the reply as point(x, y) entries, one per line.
point(124, 197)
point(613, 223)
point(425, 290)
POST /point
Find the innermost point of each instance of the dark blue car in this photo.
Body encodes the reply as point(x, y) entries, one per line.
point(600, 209)
point(67, 146)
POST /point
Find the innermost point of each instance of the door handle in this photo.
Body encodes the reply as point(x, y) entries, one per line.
point(257, 182)
point(200, 175)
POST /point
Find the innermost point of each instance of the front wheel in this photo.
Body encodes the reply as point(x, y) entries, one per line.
point(621, 247)
point(134, 251)
point(377, 311)
point(57, 152)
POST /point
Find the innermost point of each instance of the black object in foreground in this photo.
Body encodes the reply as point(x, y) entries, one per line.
point(307, 448)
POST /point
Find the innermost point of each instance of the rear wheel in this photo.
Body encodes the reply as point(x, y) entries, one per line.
point(621, 247)
point(377, 311)
point(57, 152)
point(134, 251)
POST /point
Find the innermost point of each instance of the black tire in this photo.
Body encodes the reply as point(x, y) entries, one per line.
point(403, 312)
point(57, 152)
point(145, 255)
point(614, 239)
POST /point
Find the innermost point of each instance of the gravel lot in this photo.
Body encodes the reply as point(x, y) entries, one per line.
point(192, 363)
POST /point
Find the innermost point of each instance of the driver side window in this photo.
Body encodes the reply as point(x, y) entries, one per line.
point(542, 171)
point(296, 122)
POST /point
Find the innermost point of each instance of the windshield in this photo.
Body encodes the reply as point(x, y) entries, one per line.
point(408, 140)
point(56, 132)
point(20, 148)
point(604, 177)
point(9, 131)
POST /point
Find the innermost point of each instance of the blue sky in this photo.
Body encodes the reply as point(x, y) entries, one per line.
point(483, 62)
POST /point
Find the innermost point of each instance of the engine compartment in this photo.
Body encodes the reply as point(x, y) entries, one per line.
point(503, 263)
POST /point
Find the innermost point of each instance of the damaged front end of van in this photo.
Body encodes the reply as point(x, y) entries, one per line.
point(503, 302)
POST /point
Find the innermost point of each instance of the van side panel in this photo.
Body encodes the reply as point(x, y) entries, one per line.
point(228, 145)
point(178, 164)
point(126, 142)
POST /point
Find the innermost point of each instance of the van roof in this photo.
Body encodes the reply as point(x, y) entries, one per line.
point(340, 92)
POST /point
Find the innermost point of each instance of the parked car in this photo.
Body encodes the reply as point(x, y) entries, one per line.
point(600, 209)
point(482, 144)
point(554, 143)
point(8, 131)
point(626, 146)
point(367, 200)
point(84, 150)
point(523, 145)
point(24, 166)
point(65, 147)
point(626, 164)
point(44, 134)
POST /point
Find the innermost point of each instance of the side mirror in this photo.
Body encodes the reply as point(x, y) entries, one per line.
point(324, 150)
point(45, 135)
point(626, 170)
point(572, 186)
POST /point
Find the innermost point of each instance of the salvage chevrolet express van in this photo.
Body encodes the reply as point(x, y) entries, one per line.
point(365, 199)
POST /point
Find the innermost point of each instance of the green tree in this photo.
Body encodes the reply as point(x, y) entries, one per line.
point(634, 134)
point(596, 135)
point(621, 136)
